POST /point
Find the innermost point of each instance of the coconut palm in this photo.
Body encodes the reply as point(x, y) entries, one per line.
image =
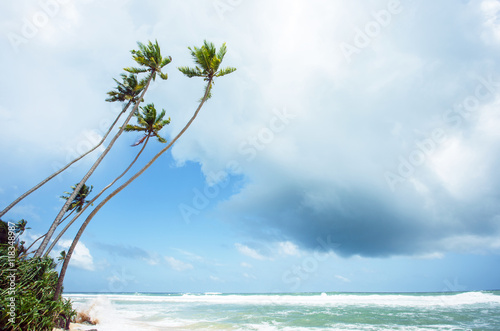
point(208, 61)
point(150, 61)
point(80, 199)
point(147, 122)
point(61, 257)
point(128, 91)
point(77, 205)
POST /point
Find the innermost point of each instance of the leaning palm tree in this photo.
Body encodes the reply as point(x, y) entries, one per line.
point(80, 199)
point(207, 61)
point(127, 91)
point(150, 124)
point(150, 61)
point(77, 205)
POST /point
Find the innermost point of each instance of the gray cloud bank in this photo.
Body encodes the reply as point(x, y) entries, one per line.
point(393, 151)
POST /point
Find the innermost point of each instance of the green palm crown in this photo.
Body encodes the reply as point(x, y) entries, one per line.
point(208, 61)
point(150, 59)
point(80, 199)
point(128, 90)
point(149, 122)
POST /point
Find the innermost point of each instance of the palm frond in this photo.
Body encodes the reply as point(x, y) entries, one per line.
point(191, 72)
point(131, 127)
point(225, 71)
point(222, 51)
point(135, 70)
point(161, 139)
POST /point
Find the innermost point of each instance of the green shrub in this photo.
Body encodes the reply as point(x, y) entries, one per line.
point(27, 290)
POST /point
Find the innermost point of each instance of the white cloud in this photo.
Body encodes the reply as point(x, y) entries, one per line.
point(190, 256)
point(216, 279)
point(249, 276)
point(430, 256)
point(288, 248)
point(81, 257)
point(246, 265)
point(490, 9)
point(152, 260)
point(177, 264)
point(321, 172)
point(474, 244)
point(342, 278)
point(250, 252)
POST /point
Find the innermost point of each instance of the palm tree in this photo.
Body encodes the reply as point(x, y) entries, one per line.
point(208, 61)
point(147, 122)
point(80, 199)
point(61, 257)
point(126, 91)
point(77, 205)
point(151, 61)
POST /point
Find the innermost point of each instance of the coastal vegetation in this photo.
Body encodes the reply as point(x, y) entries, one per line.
point(27, 286)
point(29, 278)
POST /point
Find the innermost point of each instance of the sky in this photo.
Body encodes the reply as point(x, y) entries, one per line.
point(355, 148)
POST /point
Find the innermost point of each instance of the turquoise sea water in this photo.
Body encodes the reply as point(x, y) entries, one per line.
point(301, 311)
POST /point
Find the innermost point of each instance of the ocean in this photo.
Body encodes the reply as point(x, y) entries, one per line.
point(299, 311)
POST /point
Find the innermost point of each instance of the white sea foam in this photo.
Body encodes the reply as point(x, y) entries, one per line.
point(279, 311)
point(468, 298)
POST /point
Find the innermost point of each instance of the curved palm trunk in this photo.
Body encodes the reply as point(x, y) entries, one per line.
point(46, 180)
point(95, 198)
point(54, 225)
point(119, 189)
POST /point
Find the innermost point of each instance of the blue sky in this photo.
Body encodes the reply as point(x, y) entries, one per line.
point(354, 149)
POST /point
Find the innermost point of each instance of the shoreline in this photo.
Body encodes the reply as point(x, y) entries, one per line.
point(78, 327)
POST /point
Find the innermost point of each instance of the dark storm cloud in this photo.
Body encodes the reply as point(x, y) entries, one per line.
point(358, 222)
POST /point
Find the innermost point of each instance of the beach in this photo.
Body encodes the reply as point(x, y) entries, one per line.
point(78, 327)
point(291, 311)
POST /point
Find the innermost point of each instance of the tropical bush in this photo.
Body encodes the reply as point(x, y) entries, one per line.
point(27, 287)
